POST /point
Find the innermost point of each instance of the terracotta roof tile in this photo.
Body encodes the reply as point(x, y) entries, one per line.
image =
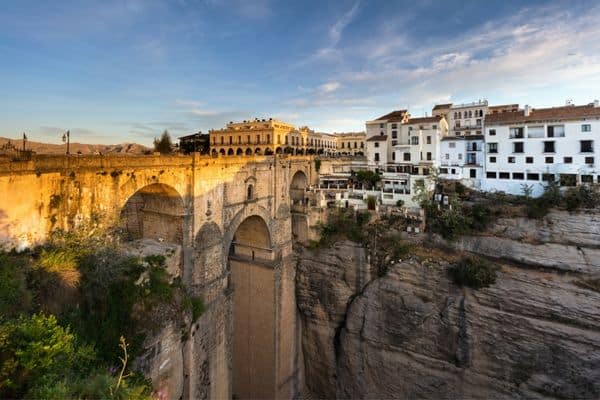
point(442, 106)
point(544, 114)
point(423, 120)
point(378, 138)
point(397, 115)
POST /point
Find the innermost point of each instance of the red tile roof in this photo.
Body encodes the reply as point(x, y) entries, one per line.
point(378, 138)
point(442, 106)
point(397, 115)
point(544, 114)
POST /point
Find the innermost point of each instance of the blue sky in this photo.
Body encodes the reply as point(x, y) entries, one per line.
point(124, 70)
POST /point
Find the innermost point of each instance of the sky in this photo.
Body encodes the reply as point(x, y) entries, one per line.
point(116, 71)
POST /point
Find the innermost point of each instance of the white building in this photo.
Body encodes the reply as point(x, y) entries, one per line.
point(533, 146)
point(381, 134)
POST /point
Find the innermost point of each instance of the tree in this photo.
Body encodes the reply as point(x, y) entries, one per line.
point(369, 178)
point(164, 144)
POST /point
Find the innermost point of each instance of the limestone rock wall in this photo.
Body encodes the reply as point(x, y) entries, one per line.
point(414, 334)
point(565, 241)
point(326, 281)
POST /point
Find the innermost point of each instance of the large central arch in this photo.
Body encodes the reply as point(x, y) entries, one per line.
point(251, 261)
point(299, 206)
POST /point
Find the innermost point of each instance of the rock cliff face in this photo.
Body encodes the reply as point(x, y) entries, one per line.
point(325, 283)
point(415, 334)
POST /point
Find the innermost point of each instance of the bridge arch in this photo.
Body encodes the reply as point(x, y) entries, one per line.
point(230, 152)
point(251, 262)
point(239, 152)
point(248, 151)
point(155, 211)
point(299, 206)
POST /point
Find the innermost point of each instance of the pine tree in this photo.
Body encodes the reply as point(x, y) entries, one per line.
point(164, 144)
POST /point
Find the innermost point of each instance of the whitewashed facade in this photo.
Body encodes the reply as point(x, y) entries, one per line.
point(532, 146)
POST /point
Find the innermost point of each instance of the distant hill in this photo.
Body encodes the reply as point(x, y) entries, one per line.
point(47, 148)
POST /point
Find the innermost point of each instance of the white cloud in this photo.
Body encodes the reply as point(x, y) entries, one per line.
point(329, 87)
point(336, 30)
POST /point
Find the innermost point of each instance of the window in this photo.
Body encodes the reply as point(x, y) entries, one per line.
point(452, 145)
point(394, 134)
point(453, 171)
point(492, 160)
point(406, 156)
point(376, 144)
point(516, 133)
point(548, 177)
point(568, 160)
point(556, 131)
point(428, 139)
point(393, 156)
point(428, 156)
point(568, 180)
point(504, 175)
point(535, 131)
point(394, 142)
point(549, 160)
point(533, 177)
point(511, 160)
point(587, 179)
point(492, 132)
point(518, 175)
point(589, 160)
point(414, 140)
point(250, 192)
point(443, 170)
point(222, 140)
point(490, 175)
point(586, 146)
point(447, 156)
point(492, 147)
point(394, 126)
point(376, 156)
point(529, 160)
point(586, 128)
point(473, 173)
point(268, 138)
point(381, 125)
point(230, 139)
point(517, 147)
point(460, 156)
point(549, 147)
point(425, 171)
point(433, 126)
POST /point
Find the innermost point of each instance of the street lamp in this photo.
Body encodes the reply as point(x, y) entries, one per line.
point(67, 138)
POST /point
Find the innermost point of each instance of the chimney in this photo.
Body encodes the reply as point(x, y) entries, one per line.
point(596, 103)
point(527, 110)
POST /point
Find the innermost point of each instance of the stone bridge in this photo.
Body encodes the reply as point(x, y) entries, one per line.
point(231, 219)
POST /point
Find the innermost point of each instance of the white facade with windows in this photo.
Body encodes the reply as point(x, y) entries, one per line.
point(532, 146)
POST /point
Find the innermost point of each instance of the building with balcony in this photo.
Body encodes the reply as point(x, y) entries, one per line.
point(266, 137)
point(467, 119)
point(533, 146)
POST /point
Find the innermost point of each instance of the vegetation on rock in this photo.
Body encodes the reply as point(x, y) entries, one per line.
point(66, 307)
point(474, 272)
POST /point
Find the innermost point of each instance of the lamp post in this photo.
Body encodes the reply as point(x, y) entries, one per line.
point(67, 138)
point(24, 141)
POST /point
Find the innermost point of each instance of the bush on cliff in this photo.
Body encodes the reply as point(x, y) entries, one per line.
point(473, 272)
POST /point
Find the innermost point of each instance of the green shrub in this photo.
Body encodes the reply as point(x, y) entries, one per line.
point(481, 216)
point(474, 272)
point(15, 297)
point(197, 308)
point(36, 350)
point(400, 203)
